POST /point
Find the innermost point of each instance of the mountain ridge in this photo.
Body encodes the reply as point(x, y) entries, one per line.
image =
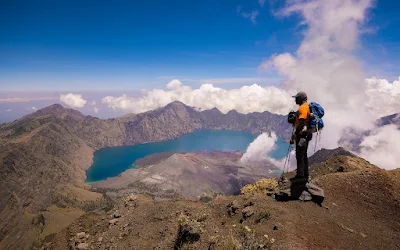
point(44, 153)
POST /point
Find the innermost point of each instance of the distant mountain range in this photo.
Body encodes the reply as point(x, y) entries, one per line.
point(44, 155)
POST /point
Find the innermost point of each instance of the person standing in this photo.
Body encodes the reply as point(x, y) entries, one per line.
point(301, 136)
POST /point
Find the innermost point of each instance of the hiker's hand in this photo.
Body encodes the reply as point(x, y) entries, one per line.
point(291, 140)
point(302, 142)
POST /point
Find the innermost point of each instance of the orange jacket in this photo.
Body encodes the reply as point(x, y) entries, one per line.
point(303, 113)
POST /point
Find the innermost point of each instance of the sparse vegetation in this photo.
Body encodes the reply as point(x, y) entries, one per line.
point(265, 215)
point(105, 203)
point(263, 186)
point(189, 231)
point(250, 241)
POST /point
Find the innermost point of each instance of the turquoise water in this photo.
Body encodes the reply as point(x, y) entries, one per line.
point(110, 162)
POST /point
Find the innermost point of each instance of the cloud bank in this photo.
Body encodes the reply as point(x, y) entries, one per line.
point(73, 100)
point(382, 147)
point(246, 99)
point(383, 96)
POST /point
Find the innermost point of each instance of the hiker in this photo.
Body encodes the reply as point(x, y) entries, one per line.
point(301, 135)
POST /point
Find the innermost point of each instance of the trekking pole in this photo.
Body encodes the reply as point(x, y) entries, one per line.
point(287, 161)
point(316, 139)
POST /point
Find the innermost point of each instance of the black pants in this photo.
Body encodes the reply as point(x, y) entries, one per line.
point(302, 158)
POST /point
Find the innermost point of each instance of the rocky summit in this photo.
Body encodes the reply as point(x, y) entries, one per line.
point(44, 156)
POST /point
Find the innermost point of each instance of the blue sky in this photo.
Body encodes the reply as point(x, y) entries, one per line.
point(130, 45)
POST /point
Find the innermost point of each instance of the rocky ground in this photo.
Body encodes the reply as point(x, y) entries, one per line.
point(360, 211)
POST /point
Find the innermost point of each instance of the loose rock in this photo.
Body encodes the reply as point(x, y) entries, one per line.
point(83, 246)
point(81, 235)
point(117, 214)
point(247, 212)
point(233, 207)
point(113, 221)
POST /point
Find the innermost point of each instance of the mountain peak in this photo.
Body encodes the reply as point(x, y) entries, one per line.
point(52, 108)
point(176, 104)
point(57, 110)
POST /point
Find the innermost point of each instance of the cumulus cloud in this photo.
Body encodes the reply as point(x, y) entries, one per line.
point(34, 108)
point(246, 99)
point(382, 147)
point(73, 100)
point(96, 110)
point(259, 149)
point(383, 96)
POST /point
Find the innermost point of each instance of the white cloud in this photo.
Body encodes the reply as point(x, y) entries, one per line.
point(174, 84)
point(93, 103)
point(261, 2)
point(246, 99)
point(383, 96)
point(96, 110)
point(8, 110)
point(259, 149)
point(382, 147)
point(73, 100)
point(324, 65)
point(34, 108)
point(252, 16)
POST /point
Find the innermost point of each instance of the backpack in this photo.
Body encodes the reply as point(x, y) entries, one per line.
point(316, 122)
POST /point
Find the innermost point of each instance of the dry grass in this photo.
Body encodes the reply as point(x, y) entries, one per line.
point(58, 218)
point(81, 194)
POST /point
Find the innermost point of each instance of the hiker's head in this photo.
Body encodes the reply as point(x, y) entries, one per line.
point(300, 98)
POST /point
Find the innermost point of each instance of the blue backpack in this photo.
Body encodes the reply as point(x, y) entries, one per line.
point(317, 112)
